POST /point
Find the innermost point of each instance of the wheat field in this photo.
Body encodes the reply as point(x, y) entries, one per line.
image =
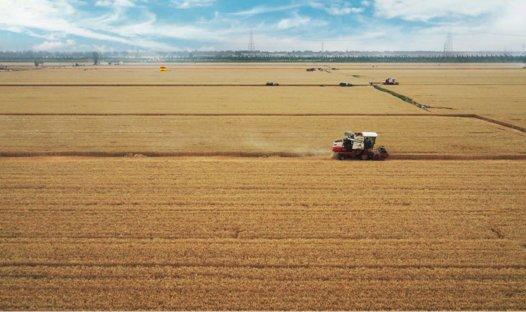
point(226, 233)
point(199, 100)
point(220, 219)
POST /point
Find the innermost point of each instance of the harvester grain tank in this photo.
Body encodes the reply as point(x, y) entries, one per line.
point(358, 145)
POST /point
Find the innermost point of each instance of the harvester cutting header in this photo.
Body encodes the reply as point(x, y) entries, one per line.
point(358, 145)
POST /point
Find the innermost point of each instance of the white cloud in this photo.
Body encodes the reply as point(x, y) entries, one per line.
point(40, 14)
point(334, 10)
point(147, 29)
point(475, 25)
point(54, 45)
point(265, 9)
point(59, 16)
point(511, 19)
point(188, 4)
point(418, 10)
point(115, 3)
point(337, 7)
point(295, 21)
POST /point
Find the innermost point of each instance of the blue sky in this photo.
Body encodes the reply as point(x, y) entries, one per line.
point(278, 25)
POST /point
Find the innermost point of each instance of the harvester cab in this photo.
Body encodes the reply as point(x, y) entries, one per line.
point(358, 145)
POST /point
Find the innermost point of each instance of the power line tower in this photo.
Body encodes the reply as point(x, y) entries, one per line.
point(251, 44)
point(448, 45)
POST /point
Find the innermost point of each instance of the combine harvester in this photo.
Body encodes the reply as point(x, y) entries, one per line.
point(387, 82)
point(358, 145)
point(391, 82)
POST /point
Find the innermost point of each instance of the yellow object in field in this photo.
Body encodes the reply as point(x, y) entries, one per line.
point(163, 69)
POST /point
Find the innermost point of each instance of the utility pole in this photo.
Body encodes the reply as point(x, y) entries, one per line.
point(251, 44)
point(448, 45)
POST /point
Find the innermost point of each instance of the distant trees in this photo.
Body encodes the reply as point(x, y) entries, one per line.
point(38, 57)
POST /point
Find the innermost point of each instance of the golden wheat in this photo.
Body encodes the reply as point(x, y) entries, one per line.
point(224, 233)
point(261, 234)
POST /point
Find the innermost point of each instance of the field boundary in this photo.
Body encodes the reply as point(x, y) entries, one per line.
point(234, 154)
point(402, 97)
point(186, 85)
point(464, 84)
point(246, 114)
point(498, 122)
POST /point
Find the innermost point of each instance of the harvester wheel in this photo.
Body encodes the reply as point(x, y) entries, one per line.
point(382, 153)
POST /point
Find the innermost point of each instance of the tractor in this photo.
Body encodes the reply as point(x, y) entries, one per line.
point(358, 145)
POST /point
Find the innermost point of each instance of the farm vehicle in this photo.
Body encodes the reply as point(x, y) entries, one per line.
point(358, 145)
point(387, 82)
